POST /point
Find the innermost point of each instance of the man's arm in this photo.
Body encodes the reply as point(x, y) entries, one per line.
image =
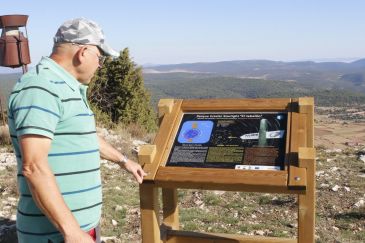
point(108, 152)
point(44, 189)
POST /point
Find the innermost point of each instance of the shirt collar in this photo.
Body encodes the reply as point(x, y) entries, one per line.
point(61, 72)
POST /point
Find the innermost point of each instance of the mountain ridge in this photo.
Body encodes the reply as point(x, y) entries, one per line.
point(331, 74)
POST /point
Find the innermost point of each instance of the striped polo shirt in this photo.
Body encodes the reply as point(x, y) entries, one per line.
point(49, 101)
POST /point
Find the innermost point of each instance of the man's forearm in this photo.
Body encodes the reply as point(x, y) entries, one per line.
point(108, 152)
point(48, 198)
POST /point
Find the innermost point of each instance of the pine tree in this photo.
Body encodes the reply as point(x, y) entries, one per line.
point(118, 91)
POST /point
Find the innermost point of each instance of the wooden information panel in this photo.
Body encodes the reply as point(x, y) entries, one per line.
point(235, 140)
point(252, 145)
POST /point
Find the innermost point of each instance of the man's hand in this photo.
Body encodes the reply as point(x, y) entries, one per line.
point(78, 237)
point(109, 153)
point(135, 169)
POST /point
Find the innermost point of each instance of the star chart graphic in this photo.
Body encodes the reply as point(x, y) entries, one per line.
point(195, 132)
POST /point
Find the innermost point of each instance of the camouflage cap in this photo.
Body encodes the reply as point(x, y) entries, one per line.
point(85, 32)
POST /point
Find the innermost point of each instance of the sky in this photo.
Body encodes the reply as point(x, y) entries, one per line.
point(186, 31)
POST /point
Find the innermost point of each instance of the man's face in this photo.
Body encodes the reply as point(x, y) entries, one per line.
point(92, 59)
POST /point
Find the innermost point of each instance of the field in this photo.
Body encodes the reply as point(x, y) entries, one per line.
point(340, 215)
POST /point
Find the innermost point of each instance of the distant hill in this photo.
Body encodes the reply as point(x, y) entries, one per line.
point(7, 82)
point(331, 83)
point(317, 74)
point(194, 85)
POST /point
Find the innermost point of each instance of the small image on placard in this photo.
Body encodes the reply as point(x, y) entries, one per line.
point(195, 132)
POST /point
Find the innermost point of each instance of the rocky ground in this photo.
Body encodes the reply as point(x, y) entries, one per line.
point(340, 215)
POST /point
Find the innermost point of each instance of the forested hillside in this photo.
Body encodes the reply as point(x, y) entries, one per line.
point(187, 85)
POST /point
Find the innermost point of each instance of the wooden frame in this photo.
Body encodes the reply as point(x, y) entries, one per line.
point(297, 178)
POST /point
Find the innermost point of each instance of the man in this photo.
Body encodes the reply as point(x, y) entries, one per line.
point(55, 141)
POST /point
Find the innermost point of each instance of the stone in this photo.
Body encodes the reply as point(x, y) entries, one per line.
point(259, 232)
point(320, 172)
point(118, 208)
point(335, 188)
point(360, 203)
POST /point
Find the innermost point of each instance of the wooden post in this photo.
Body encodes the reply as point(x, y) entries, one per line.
point(169, 196)
point(164, 107)
point(306, 106)
point(146, 154)
point(170, 208)
point(149, 213)
point(306, 204)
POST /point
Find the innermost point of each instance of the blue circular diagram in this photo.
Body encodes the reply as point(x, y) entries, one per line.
point(192, 133)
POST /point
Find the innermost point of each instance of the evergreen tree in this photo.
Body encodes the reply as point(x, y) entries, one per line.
point(118, 91)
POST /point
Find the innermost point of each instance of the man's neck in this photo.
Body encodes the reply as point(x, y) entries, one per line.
point(65, 64)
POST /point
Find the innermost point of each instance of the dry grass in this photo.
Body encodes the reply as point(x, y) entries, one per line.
point(337, 217)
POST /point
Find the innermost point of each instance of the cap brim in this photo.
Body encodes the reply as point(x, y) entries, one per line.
point(108, 51)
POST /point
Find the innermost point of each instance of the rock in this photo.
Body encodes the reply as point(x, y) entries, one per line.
point(335, 188)
point(6, 208)
point(333, 169)
point(7, 159)
point(292, 225)
point(347, 188)
point(118, 208)
point(253, 216)
point(362, 158)
point(109, 165)
point(114, 222)
point(219, 193)
point(324, 185)
point(12, 199)
point(360, 203)
point(259, 232)
point(137, 144)
point(319, 173)
point(108, 238)
point(117, 188)
point(4, 132)
point(333, 150)
point(198, 202)
point(335, 228)
point(352, 144)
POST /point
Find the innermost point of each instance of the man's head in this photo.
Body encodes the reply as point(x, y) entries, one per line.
point(79, 47)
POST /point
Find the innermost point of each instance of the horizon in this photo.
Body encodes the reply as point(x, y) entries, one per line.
point(6, 70)
point(162, 32)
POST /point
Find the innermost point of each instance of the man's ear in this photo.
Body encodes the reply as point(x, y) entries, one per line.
point(79, 56)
